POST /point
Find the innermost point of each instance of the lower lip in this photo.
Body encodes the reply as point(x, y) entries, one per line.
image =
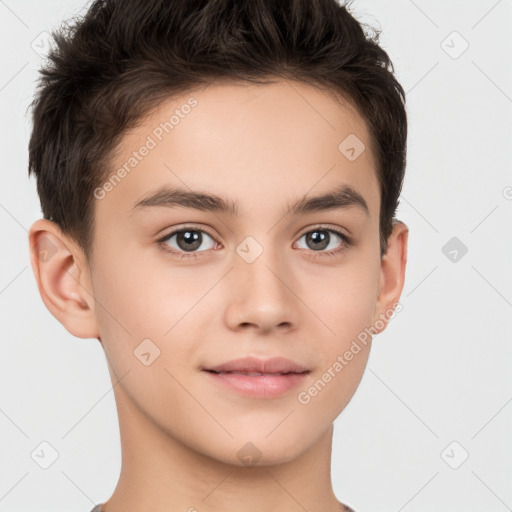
point(262, 386)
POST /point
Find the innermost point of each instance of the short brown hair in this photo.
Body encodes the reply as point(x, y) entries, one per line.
point(109, 68)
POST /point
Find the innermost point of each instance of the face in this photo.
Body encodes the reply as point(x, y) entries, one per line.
point(187, 283)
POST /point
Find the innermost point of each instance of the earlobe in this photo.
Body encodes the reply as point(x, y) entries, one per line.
point(392, 274)
point(62, 278)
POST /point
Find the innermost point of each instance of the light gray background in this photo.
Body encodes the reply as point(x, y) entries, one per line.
point(440, 373)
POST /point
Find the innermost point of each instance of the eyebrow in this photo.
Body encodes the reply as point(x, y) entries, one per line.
point(342, 197)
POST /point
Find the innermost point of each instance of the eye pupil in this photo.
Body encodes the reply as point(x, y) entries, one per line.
point(193, 240)
point(316, 237)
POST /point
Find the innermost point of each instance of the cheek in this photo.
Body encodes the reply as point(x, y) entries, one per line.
point(346, 305)
point(344, 299)
point(141, 295)
point(148, 307)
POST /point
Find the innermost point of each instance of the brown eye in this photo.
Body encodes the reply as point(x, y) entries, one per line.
point(320, 239)
point(187, 240)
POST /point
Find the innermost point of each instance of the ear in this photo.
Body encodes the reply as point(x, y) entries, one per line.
point(63, 278)
point(392, 275)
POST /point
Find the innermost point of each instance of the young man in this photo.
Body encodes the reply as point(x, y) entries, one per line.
point(219, 183)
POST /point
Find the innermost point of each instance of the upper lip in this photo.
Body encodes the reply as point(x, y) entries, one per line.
point(273, 365)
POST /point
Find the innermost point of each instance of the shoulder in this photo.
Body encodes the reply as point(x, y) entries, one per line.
point(97, 508)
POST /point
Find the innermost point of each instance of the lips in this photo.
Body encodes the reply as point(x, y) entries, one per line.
point(254, 367)
point(250, 374)
point(258, 378)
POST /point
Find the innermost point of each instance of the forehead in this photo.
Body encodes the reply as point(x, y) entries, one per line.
point(256, 143)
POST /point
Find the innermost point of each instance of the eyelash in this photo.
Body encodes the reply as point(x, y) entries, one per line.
point(347, 242)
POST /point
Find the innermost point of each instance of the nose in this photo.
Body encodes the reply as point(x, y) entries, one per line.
point(262, 296)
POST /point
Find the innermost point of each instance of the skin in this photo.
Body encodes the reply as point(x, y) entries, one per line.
point(263, 146)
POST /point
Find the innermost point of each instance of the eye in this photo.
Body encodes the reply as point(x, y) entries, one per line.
point(186, 240)
point(320, 239)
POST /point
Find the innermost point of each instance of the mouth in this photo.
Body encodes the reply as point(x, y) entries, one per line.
point(257, 385)
point(256, 366)
point(258, 378)
point(256, 374)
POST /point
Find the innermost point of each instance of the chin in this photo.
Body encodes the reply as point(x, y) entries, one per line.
point(259, 452)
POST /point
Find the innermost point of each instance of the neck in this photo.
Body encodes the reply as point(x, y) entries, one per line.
point(162, 474)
